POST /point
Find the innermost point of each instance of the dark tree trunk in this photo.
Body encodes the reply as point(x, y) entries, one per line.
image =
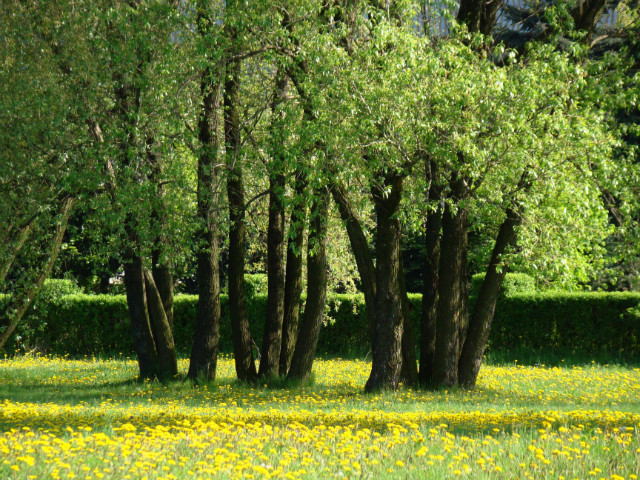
point(293, 276)
point(387, 337)
point(163, 279)
point(167, 363)
point(272, 338)
point(409, 371)
point(20, 302)
point(307, 341)
point(430, 277)
point(204, 350)
point(360, 249)
point(138, 314)
point(161, 267)
point(453, 295)
point(587, 14)
point(480, 323)
point(479, 16)
point(242, 342)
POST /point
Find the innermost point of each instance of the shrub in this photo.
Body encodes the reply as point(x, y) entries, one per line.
point(513, 283)
point(588, 322)
point(593, 323)
point(256, 284)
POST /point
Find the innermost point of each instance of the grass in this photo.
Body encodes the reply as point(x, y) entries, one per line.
point(88, 419)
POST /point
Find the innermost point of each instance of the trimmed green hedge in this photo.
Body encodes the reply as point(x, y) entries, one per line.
point(592, 323)
point(513, 283)
point(589, 322)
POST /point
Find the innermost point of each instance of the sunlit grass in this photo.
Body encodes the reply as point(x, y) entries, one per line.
point(89, 419)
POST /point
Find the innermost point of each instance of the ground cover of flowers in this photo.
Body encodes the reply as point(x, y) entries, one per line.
point(88, 419)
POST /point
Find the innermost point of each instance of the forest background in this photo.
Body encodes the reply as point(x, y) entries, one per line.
point(344, 146)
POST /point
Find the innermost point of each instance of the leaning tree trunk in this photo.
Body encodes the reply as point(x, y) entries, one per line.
point(167, 363)
point(20, 303)
point(204, 350)
point(138, 315)
point(14, 244)
point(161, 267)
point(451, 317)
point(430, 278)
point(360, 249)
point(387, 337)
point(293, 275)
point(480, 324)
point(307, 341)
point(242, 343)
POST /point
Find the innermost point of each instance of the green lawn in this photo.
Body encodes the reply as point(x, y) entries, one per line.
point(88, 419)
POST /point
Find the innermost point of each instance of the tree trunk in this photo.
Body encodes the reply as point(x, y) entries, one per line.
point(161, 267)
point(138, 314)
point(479, 16)
point(204, 349)
point(163, 279)
point(272, 338)
point(14, 245)
point(480, 324)
point(360, 249)
point(430, 277)
point(453, 293)
point(167, 364)
point(409, 370)
point(293, 276)
point(304, 353)
point(242, 343)
point(21, 302)
point(387, 337)
point(587, 14)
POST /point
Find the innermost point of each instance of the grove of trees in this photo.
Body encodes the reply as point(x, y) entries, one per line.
point(159, 135)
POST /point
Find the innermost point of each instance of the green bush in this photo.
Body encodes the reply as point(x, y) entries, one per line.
point(591, 323)
point(38, 317)
point(594, 323)
point(514, 283)
point(256, 284)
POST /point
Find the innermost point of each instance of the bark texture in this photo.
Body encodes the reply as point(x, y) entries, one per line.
point(430, 275)
point(204, 350)
point(388, 316)
point(305, 349)
point(480, 323)
point(360, 249)
point(453, 292)
point(293, 275)
point(479, 16)
point(138, 315)
point(272, 339)
point(242, 342)
point(167, 363)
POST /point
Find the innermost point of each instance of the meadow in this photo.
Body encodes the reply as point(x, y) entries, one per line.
point(88, 419)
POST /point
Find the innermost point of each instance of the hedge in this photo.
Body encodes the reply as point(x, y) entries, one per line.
point(592, 323)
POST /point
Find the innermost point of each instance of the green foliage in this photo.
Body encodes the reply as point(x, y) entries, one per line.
point(255, 284)
point(590, 323)
point(513, 283)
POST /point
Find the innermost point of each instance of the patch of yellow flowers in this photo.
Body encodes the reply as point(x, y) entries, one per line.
point(521, 422)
